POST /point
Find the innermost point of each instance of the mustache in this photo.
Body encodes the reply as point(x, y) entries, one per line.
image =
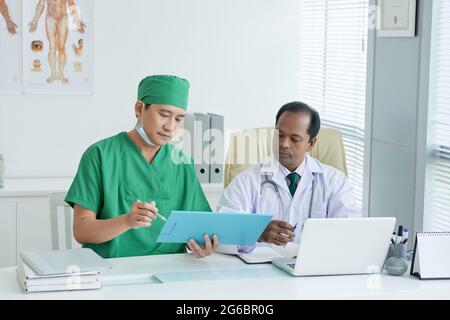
point(285, 155)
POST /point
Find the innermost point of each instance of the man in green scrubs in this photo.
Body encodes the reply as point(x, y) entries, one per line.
point(123, 181)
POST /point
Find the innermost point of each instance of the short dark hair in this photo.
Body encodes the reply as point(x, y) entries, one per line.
point(298, 106)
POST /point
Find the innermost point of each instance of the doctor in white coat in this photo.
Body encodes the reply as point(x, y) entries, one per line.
point(293, 187)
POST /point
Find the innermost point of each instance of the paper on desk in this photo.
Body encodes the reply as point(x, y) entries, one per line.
point(288, 251)
point(260, 255)
point(265, 253)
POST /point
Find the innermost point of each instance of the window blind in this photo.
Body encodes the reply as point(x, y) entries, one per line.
point(437, 197)
point(333, 66)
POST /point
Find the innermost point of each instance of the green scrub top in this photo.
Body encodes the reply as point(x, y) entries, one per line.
point(113, 174)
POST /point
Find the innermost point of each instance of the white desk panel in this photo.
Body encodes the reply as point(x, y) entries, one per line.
point(132, 278)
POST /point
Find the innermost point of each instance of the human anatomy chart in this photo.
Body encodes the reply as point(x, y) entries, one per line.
point(56, 46)
point(10, 47)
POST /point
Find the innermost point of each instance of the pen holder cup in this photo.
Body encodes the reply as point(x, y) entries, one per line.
point(396, 262)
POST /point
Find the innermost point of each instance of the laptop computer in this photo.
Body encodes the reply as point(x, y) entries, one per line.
point(339, 246)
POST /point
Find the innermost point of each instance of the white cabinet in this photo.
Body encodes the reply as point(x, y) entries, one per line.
point(24, 225)
point(25, 222)
point(7, 234)
point(33, 225)
point(25, 216)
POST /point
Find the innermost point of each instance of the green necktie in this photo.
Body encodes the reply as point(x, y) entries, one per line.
point(294, 178)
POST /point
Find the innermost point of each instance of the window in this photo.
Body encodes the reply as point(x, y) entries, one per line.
point(437, 190)
point(333, 64)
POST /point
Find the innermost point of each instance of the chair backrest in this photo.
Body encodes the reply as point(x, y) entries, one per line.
point(250, 146)
point(62, 222)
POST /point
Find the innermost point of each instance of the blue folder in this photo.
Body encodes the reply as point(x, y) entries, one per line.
point(232, 228)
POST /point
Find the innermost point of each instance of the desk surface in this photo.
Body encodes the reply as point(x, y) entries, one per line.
point(227, 277)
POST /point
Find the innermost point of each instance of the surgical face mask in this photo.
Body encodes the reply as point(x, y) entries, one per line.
point(140, 130)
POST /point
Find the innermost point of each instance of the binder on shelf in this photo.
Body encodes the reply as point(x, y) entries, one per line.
point(216, 153)
point(431, 259)
point(198, 125)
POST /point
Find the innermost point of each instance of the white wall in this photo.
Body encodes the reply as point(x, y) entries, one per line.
point(239, 55)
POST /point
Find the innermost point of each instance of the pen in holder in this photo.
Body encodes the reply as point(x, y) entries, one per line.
point(396, 263)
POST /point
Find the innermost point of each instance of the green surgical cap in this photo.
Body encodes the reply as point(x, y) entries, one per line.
point(164, 89)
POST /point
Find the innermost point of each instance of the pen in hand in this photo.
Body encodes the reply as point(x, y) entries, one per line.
point(161, 217)
point(293, 230)
point(157, 214)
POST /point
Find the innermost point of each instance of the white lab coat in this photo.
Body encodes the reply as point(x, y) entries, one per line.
point(333, 196)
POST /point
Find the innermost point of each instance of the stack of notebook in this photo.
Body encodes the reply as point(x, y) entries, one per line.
point(75, 269)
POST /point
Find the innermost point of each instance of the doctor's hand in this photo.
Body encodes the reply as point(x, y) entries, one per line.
point(201, 251)
point(278, 232)
point(141, 214)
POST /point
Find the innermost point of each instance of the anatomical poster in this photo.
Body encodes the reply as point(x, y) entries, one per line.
point(10, 47)
point(57, 46)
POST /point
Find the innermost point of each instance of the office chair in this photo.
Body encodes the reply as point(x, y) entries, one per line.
point(251, 146)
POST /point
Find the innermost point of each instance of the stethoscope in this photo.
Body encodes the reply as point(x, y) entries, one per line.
point(271, 183)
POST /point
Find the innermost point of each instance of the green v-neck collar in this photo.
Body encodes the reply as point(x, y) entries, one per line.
point(161, 168)
point(130, 142)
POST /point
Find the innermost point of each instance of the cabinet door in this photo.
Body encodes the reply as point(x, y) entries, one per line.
point(33, 225)
point(7, 234)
